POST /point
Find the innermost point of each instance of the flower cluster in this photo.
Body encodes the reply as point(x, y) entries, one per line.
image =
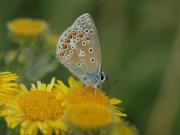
point(55, 108)
point(124, 128)
point(35, 43)
point(26, 30)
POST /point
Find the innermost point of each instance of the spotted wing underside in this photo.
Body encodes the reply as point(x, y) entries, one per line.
point(78, 48)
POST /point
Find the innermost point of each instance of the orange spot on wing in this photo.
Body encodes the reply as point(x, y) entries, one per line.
point(67, 40)
point(74, 33)
point(74, 37)
point(81, 35)
point(70, 35)
point(62, 54)
point(87, 38)
point(64, 46)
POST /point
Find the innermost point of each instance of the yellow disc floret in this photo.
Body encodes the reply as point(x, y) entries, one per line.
point(87, 95)
point(89, 116)
point(41, 105)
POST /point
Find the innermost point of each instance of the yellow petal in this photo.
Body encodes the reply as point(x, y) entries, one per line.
point(115, 101)
point(72, 82)
point(51, 85)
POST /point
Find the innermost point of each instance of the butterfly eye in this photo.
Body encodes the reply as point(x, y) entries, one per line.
point(103, 77)
point(91, 31)
point(83, 43)
point(90, 50)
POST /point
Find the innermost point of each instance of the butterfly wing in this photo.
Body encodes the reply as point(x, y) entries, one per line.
point(87, 25)
point(78, 48)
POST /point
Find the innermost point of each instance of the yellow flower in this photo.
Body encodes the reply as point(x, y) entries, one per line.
point(87, 108)
point(36, 109)
point(124, 128)
point(89, 116)
point(8, 84)
point(26, 27)
point(52, 40)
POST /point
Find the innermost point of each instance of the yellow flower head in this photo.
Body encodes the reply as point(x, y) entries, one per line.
point(36, 109)
point(89, 116)
point(8, 84)
point(87, 108)
point(52, 40)
point(26, 27)
point(124, 128)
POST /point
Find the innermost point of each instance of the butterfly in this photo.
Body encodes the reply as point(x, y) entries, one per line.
point(78, 49)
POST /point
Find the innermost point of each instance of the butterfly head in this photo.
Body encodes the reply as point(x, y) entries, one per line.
point(94, 80)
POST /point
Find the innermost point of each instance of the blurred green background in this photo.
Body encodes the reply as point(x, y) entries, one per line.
point(140, 44)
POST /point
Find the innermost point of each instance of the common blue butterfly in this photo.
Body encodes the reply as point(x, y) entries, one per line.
point(78, 50)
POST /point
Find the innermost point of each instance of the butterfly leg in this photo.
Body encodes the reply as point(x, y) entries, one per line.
point(95, 91)
point(100, 86)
